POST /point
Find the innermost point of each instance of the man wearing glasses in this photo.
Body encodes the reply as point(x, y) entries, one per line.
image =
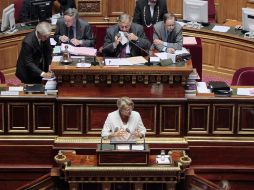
point(125, 39)
point(167, 36)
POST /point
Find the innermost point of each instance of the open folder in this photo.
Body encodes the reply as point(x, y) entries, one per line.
point(88, 51)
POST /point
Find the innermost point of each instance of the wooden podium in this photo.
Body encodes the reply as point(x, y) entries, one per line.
point(111, 155)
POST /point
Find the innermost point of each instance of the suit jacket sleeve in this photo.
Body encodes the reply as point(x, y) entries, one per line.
point(88, 39)
point(143, 41)
point(27, 51)
point(108, 48)
point(57, 33)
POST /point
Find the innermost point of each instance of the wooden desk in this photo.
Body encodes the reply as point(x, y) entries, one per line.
point(83, 169)
point(70, 74)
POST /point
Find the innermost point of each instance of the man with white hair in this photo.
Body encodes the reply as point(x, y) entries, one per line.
point(35, 55)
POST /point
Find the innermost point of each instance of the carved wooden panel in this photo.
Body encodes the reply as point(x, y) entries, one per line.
point(245, 124)
point(176, 7)
point(198, 118)
point(44, 118)
point(9, 52)
point(148, 113)
point(96, 116)
point(89, 7)
point(237, 57)
point(171, 119)
point(72, 119)
point(1, 117)
point(209, 50)
point(115, 7)
point(223, 118)
point(18, 118)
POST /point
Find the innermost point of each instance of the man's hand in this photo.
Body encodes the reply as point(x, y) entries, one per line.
point(75, 42)
point(120, 133)
point(170, 50)
point(64, 38)
point(48, 75)
point(132, 37)
point(157, 42)
point(117, 41)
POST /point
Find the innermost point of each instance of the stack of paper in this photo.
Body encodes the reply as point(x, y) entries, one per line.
point(79, 50)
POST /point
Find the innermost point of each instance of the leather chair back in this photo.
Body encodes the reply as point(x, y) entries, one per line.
point(18, 5)
point(243, 77)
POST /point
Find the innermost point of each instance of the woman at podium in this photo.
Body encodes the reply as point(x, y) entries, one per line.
point(124, 124)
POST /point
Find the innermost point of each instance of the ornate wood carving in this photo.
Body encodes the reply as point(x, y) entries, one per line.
point(90, 7)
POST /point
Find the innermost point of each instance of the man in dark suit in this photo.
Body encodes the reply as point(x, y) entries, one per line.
point(35, 55)
point(167, 34)
point(137, 42)
point(74, 30)
point(63, 5)
point(148, 12)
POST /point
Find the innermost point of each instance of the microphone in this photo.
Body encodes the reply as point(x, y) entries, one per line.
point(144, 137)
point(127, 130)
point(116, 129)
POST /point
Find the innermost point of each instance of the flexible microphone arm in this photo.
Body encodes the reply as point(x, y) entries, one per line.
point(126, 35)
point(103, 47)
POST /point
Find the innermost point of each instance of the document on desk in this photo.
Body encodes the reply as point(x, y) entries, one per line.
point(189, 40)
point(164, 55)
point(130, 61)
point(245, 91)
point(79, 50)
point(220, 28)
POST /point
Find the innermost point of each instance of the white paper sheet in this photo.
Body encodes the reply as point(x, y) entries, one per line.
point(202, 88)
point(82, 65)
point(16, 88)
point(220, 28)
point(245, 91)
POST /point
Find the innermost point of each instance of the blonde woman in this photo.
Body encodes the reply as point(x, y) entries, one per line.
point(124, 124)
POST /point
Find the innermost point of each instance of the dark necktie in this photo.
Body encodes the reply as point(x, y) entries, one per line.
point(169, 38)
point(123, 51)
point(70, 33)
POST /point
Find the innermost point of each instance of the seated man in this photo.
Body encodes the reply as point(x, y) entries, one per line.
point(71, 29)
point(167, 34)
point(123, 124)
point(35, 55)
point(137, 45)
point(149, 12)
